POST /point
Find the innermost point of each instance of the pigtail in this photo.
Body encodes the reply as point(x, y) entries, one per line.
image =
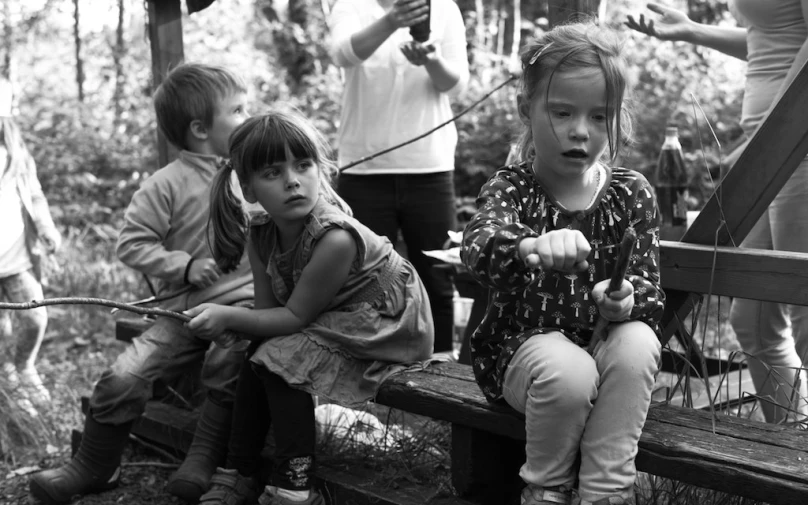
point(227, 223)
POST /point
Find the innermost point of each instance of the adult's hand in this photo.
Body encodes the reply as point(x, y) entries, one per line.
point(671, 25)
point(406, 13)
point(419, 54)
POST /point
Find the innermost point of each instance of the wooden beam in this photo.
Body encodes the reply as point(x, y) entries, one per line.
point(165, 35)
point(772, 276)
point(775, 150)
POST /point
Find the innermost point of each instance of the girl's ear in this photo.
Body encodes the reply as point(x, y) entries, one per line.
point(249, 194)
point(198, 129)
point(523, 107)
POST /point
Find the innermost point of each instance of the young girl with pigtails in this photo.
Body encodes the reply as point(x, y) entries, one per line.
point(337, 310)
point(545, 239)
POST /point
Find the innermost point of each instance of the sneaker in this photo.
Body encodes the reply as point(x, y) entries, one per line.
point(32, 387)
point(228, 487)
point(537, 495)
point(270, 497)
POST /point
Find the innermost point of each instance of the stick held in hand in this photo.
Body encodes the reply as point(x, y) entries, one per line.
point(618, 274)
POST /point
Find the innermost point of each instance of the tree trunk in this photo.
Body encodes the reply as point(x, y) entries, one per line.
point(118, 53)
point(79, 62)
point(8, 43)
point(516, 43)
point(561, 11)
point(479, 24)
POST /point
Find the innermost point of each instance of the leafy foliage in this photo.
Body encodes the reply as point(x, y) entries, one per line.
point(90, 161)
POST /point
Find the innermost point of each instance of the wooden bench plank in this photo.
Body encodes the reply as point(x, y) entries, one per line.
point(761, 461)
point(772, 276)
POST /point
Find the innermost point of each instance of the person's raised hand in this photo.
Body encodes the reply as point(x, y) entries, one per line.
point(617, 305)
point(672, 24)
point(203, 273)
point(565, 250)
point(406, 13)
point(419, 54)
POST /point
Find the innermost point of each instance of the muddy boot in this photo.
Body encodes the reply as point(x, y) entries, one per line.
point(207, 452)
point(94, 468)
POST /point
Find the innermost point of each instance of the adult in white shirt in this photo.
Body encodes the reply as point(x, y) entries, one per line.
point(395, 90)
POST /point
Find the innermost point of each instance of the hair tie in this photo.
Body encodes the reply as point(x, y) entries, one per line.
point(228, 165)
point(538, 54)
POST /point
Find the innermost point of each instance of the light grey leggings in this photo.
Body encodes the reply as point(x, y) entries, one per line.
point(576, 402)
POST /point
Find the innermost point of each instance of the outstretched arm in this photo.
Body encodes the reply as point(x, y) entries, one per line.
point(675, 25)
point(319, 283)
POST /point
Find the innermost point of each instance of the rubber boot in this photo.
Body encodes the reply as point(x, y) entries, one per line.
point(207, 452)
point(94, 468)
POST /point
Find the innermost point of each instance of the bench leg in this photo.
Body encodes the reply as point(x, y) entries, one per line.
point(485, 467)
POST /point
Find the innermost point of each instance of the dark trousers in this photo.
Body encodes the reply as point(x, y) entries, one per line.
point(263, 400)
point(422, 206)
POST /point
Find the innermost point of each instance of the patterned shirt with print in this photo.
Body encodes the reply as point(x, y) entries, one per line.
point(512, 206)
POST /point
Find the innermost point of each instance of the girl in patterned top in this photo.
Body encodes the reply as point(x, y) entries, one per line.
point(544, 240)
point(337, 310)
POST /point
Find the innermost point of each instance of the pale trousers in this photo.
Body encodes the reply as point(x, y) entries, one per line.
point(576, 403)
point(775, 334)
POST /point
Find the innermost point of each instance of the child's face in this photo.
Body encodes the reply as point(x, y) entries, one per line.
point(287, 190)
point(231, 111)
point(568, 123)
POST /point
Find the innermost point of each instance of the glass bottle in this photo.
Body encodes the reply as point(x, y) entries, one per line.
point(671, 182)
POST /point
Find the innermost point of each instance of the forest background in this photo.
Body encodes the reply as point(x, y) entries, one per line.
point(81, 70)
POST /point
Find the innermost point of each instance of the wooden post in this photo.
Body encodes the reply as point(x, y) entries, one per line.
point(561, 11)
point(165, 35)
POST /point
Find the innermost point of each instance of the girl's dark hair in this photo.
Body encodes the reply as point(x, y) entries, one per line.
point(569, 47)
point(258, 142)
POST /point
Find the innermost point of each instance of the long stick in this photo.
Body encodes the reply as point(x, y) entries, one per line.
point(95, 301)
point(618, 274)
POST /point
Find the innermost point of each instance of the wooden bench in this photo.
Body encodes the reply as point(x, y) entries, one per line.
point(760, 461)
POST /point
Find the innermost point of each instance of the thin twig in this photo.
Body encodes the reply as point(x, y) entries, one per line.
point(33, 304)
point(155, 464)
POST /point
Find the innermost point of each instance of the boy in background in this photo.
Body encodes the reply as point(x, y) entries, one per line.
point(165, 237)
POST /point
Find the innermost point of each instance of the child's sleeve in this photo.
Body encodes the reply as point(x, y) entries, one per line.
point(491, 239)
point(147, 222)
point(41, 212)
point(643, 273)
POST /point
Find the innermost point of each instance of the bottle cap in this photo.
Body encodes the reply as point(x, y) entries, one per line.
point(671, 130)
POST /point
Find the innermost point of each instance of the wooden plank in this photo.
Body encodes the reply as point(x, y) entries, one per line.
point(775, 150)
point(165, 36)
point(773, 276)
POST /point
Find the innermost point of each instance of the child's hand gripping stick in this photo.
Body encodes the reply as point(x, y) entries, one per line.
point(618, 274)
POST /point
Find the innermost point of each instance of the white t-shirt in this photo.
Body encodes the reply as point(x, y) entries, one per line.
point(387, 100)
